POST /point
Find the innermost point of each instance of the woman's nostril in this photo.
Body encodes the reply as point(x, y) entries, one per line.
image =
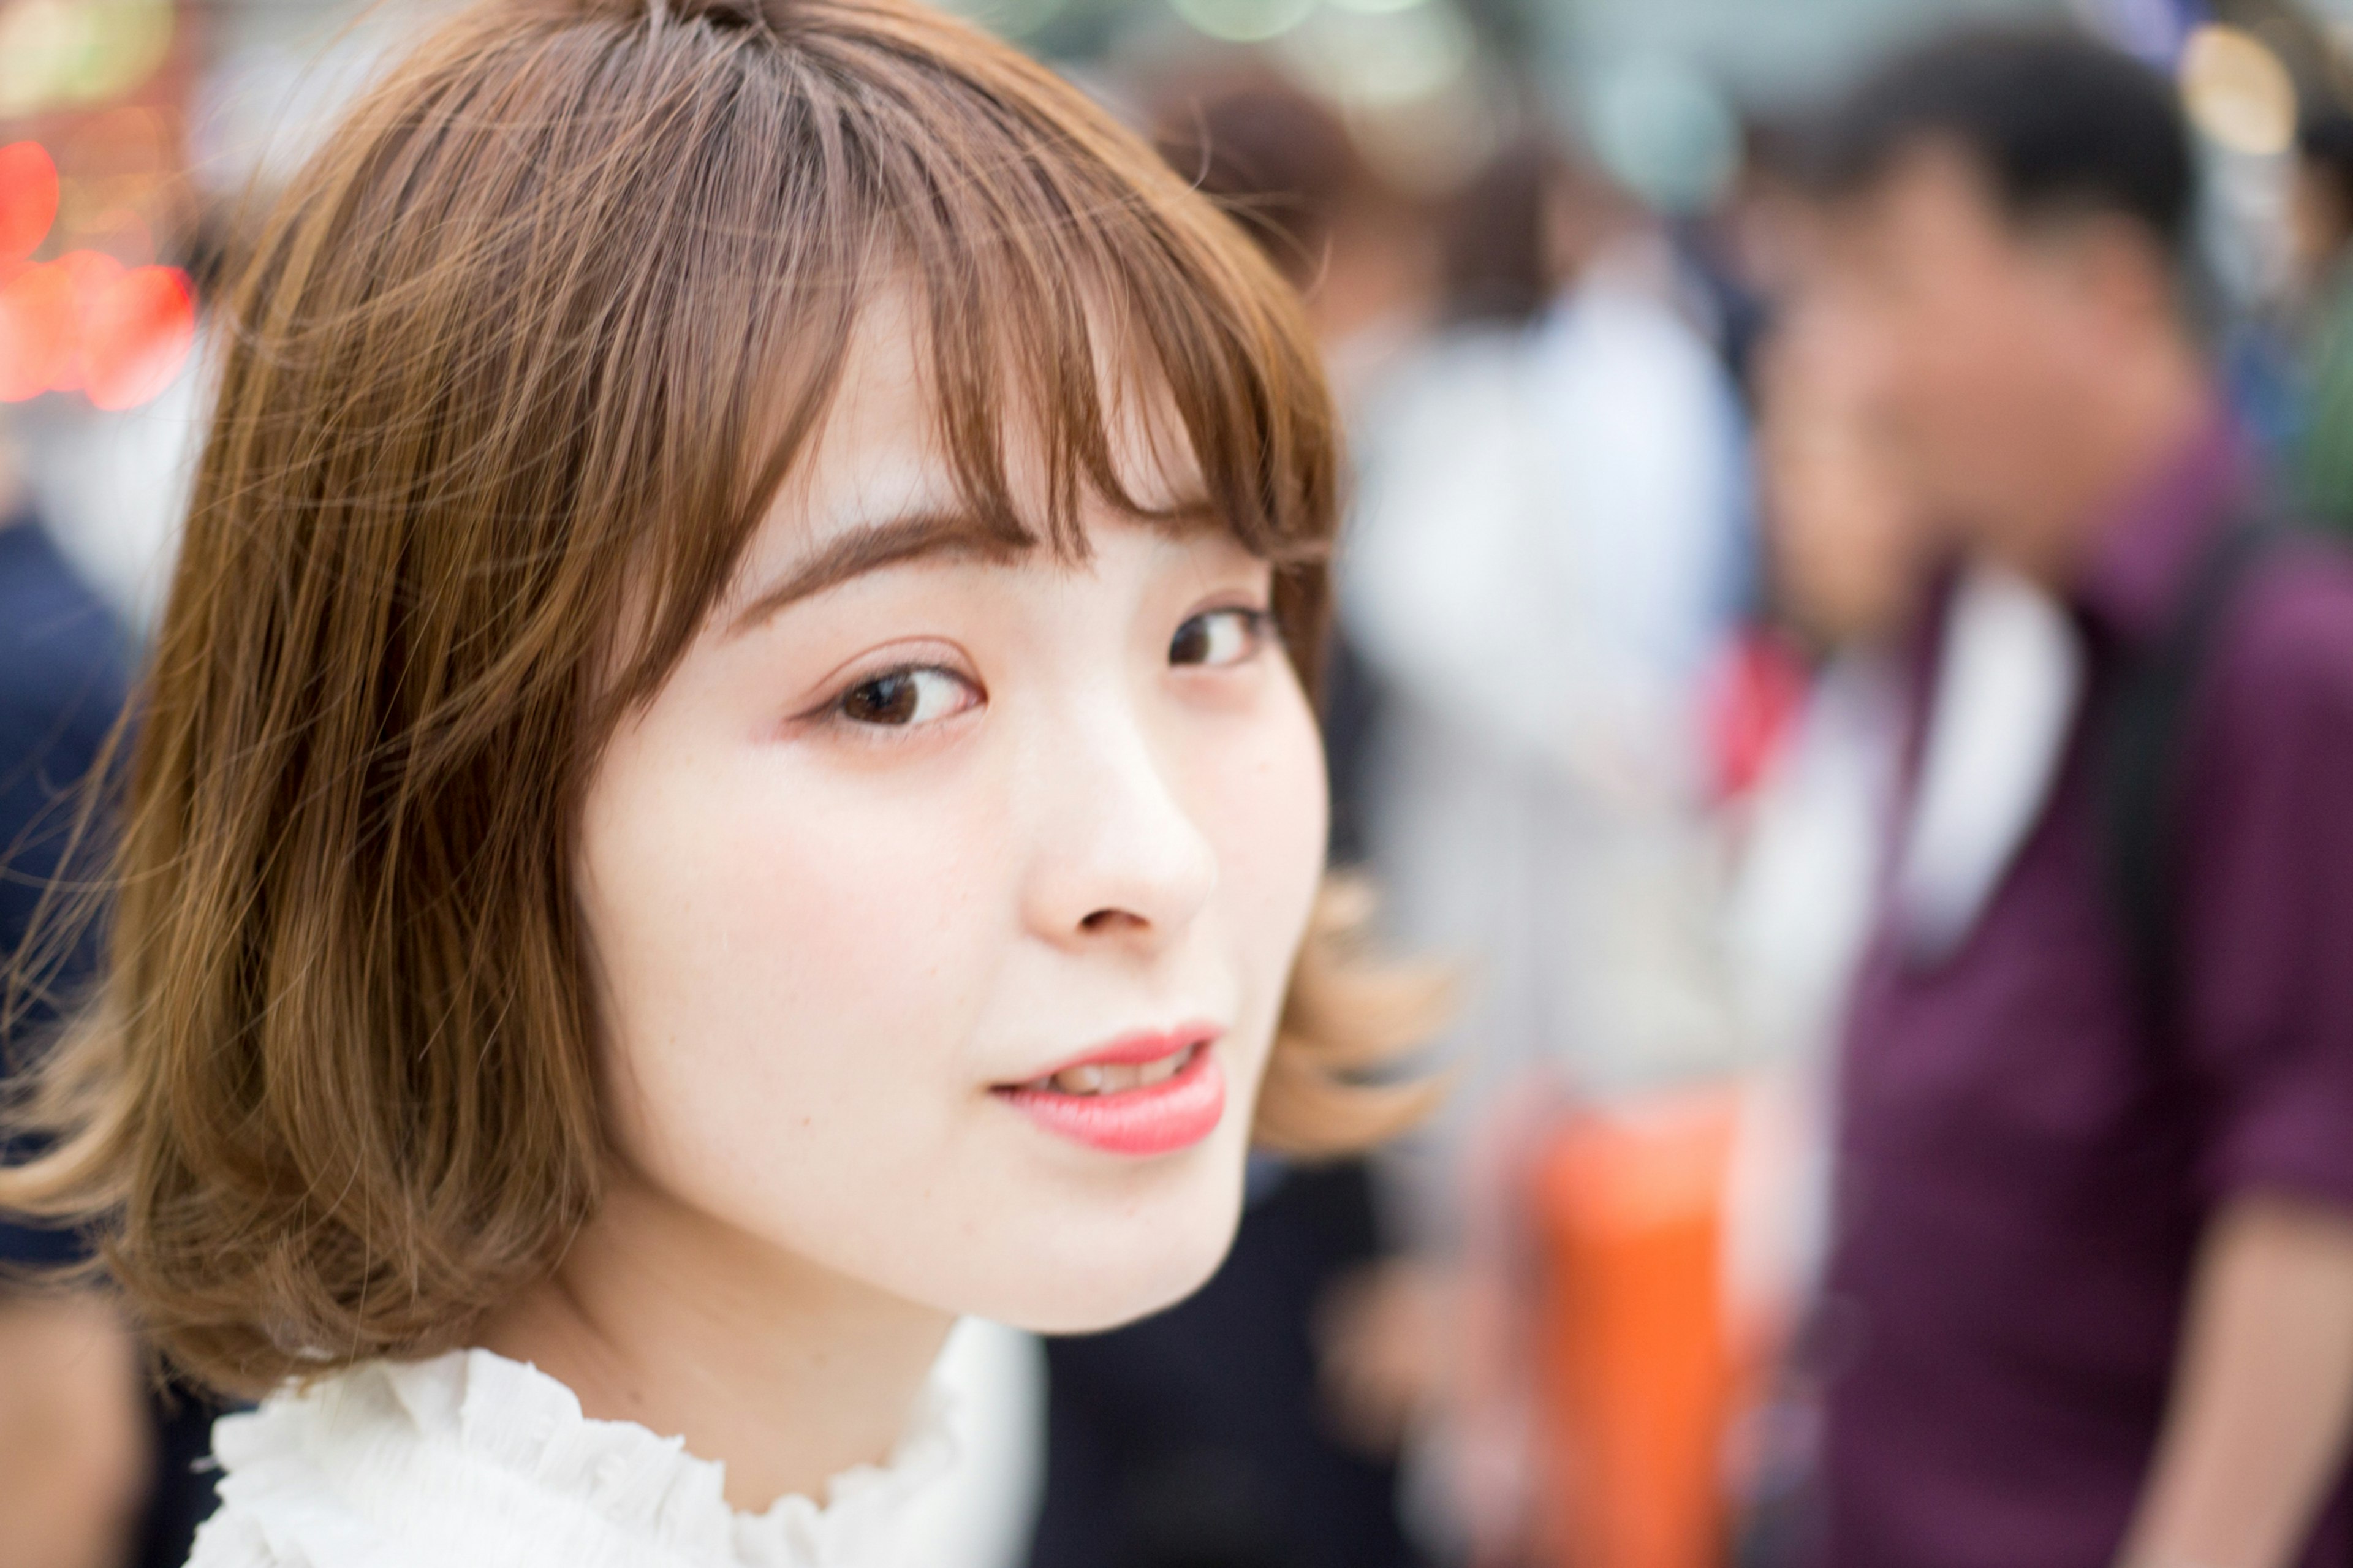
point(1110, 920)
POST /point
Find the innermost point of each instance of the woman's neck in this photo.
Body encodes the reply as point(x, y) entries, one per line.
point(663, 1316)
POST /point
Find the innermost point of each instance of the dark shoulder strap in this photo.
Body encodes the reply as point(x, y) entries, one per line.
point(2142, 766)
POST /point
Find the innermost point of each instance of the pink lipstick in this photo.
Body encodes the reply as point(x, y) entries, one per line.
point(1141, 1094)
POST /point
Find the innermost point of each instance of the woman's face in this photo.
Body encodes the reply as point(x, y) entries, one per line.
point(944, 901)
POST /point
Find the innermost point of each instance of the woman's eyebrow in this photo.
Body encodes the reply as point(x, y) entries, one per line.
point(871, 547)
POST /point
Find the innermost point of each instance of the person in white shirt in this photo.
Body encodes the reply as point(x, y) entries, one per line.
point(1546, 559)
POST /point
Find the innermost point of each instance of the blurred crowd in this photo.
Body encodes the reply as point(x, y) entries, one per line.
point(1847, 672)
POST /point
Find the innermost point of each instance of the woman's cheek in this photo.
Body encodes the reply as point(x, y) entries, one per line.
point(1274, 815)
point(1298, 789)
point(771, 975)
point(851, 925)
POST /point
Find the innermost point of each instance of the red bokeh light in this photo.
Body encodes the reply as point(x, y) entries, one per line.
point(86, 324)
point(28, 198)
point(136, 336)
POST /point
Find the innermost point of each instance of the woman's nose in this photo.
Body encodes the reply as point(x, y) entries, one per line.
point(1117, 857)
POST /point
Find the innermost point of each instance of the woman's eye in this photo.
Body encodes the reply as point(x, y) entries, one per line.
point(1216, 639)
point(904, 698)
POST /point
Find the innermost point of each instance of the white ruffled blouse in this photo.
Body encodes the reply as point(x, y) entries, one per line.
point(470, 1458)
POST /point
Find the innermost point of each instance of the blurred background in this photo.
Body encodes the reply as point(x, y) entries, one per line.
point(1551, 248)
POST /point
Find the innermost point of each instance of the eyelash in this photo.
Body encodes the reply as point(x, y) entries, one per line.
point(1258, 629)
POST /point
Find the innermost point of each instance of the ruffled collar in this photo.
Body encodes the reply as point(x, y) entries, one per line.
point(512, 1417)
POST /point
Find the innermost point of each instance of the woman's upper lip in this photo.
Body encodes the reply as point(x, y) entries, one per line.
point(1133, 1049)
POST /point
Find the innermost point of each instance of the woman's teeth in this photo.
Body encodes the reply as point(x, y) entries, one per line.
point(1101, 1078)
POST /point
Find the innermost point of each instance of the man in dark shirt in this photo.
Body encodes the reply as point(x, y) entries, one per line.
point(2091, 1294)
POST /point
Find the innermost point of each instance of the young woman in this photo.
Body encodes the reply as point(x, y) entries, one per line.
point(725, 780)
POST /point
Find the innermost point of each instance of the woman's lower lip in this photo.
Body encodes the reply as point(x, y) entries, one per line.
point(1158, 1119)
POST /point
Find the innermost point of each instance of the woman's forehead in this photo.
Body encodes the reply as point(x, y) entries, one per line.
point(883, 451)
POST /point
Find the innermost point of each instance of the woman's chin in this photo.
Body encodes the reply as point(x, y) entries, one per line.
point(1091, 1306)
point(1086, 1271)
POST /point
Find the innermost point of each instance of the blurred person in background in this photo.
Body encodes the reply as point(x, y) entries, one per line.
point(74, 1460)
point(1202, 1437)
point(1548, 560)
point(2090, 1297)
point(1548, 551)
point(2321, 243)
point(95, 1464)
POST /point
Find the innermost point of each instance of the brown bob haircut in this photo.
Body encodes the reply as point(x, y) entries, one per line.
point(515, 367)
